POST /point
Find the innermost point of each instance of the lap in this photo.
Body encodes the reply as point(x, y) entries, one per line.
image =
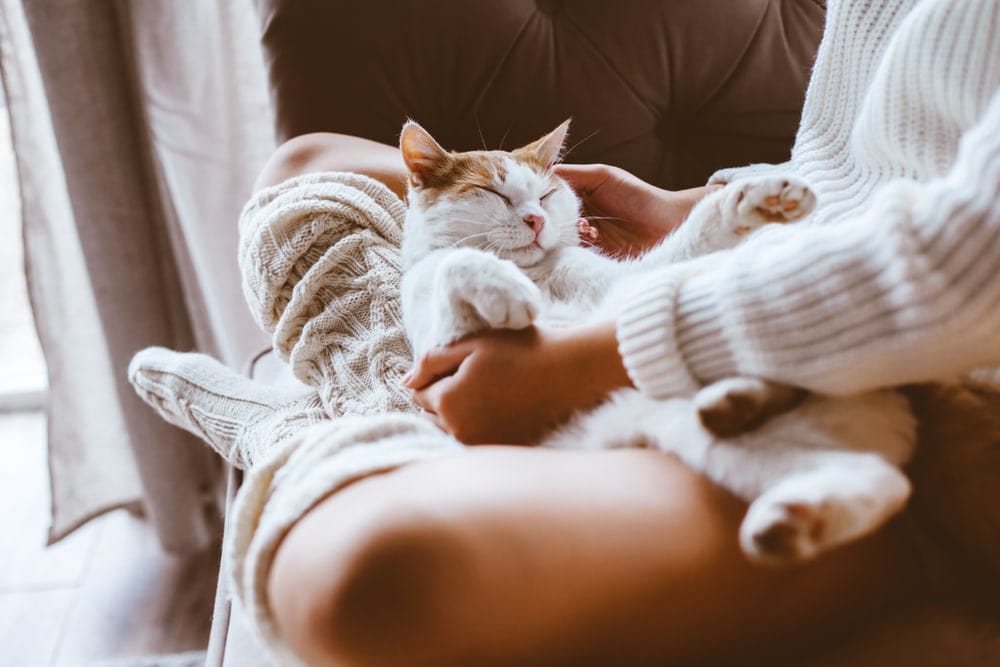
point(626, 554)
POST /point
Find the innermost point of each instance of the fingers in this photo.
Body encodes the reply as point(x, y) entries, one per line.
point(429, 401)
point(436, 363)
point(434, 419)
point(437, 421)
point(429, 398)
point(584, 178)
point(589, 234)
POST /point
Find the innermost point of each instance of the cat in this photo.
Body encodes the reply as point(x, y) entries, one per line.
point(491, 241)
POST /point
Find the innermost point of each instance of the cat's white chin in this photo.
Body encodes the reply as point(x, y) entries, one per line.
point(524, 256)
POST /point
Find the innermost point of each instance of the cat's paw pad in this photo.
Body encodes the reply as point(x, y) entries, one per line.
point(735, 406)
point(783, 533)
point(501, 296)
point(758, 201)
point(512, 306)
point(730, 407)
point(480, 291)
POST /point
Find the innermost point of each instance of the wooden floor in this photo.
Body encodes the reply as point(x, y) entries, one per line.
point(105, 592)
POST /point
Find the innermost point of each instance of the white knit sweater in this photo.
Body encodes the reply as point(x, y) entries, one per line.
point(896, 278)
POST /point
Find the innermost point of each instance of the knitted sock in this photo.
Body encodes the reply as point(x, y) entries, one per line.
point(238, 418)
point(321, 270)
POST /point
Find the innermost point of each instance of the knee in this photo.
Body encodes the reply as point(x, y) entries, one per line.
point(383, 595)
point(298, 155)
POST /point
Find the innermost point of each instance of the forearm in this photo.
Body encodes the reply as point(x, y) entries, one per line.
point(593, 351)
point(677, 204)
point(905, 293)
point(326, 151)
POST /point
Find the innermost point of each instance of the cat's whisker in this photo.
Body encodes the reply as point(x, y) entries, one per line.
point(494, 246)
point(504, 137)
point(469, 237)
point(479, 128)
point(477, 221)
point(467, 225)
point(472, 236)
point(577, 145)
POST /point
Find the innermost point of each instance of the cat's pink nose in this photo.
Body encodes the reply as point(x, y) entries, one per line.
point(536, 222)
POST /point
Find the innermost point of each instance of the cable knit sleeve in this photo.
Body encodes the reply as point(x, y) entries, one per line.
point(907, 291)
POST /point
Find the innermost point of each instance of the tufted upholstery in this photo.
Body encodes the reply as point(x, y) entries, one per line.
point(668, 89)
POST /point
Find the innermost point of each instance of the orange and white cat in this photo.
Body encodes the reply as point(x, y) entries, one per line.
point(491, 241)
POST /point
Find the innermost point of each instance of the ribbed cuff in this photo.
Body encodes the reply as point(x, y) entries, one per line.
point(647, 342)
point(699, 324)
point(672, 335)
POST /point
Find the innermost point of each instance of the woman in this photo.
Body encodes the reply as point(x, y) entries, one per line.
point(514, 556)
point(518, 556)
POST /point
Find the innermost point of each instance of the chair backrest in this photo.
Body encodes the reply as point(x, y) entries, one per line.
point(670, 90)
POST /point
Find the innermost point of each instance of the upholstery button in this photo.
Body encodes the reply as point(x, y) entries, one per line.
point(549, 7)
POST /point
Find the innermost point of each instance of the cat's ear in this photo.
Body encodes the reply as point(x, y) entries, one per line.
point(549, 148)
point(423, 156)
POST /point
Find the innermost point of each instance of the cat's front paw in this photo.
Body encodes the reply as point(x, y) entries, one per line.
point(514, 305)
point(755, 202)
point(492, 292)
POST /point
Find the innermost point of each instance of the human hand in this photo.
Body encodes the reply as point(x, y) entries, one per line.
point(622, 214)
point(512, 387)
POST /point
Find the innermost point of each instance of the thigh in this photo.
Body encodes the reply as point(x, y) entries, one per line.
point(616, 557)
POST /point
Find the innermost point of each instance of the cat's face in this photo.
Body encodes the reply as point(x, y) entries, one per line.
point(508, 203)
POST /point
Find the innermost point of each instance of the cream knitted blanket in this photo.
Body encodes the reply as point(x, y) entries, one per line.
point(319, 256)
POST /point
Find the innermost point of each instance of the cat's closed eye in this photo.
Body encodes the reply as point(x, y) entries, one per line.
point(502, 196)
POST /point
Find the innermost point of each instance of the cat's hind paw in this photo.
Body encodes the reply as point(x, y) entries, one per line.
point(737, 405)
point(754, 202)
point(783, 533)
point(812, 513)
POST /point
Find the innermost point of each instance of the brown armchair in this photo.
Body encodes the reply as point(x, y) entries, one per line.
point(669, 90)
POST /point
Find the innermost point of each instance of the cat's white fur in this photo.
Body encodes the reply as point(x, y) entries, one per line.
point(816, 476)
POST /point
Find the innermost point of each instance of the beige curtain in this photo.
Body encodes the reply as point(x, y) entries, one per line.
point(139, 126)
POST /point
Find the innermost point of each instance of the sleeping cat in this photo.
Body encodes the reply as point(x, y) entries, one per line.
point(491, 241)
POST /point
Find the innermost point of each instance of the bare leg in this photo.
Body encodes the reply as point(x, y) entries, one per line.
point(507, 556)
point(325, 151)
